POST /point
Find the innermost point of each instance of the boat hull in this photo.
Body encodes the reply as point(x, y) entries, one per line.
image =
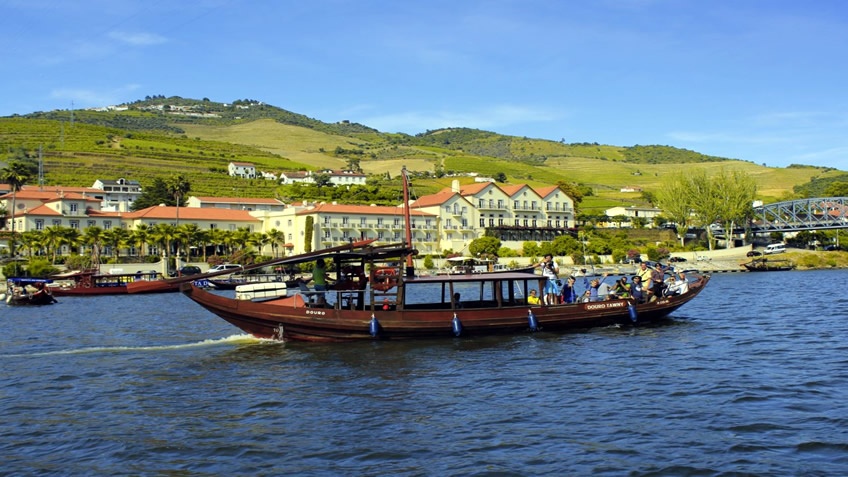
point(153, 287)
point(292, 319)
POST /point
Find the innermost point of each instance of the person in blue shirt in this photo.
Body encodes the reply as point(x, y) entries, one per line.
point(569, 294)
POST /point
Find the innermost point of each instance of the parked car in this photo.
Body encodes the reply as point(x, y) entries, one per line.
point(676, 259)
point(186, 270)
point(831, 248)
point(754, 253)
point(226, 266)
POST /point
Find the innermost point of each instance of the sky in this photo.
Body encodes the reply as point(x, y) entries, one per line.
point(764, 81)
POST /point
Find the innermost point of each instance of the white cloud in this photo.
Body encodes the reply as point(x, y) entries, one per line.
point(138, 39)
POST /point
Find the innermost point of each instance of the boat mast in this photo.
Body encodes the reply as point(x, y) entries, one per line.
point(407, 222)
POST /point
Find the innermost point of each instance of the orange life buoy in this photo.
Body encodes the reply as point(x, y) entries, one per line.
point(385, 278)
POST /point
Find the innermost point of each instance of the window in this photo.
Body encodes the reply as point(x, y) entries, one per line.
point(500, 203)
point(326, 234)
point(326, 220)
point(482, 222)
point(345, 220)
point(75, 224)
point(73, 207)
point(57, 222)
point(39, 224)
point(91, 223)
point(491, 221)
point(107, 224)
point(379, 235)
point(213, 226)
point(362, 222)
point(379, 221)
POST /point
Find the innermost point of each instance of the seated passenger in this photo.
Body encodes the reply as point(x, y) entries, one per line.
point(533, 299)
point(679, 286)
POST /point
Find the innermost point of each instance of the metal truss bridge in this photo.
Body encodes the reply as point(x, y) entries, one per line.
point(804, 214)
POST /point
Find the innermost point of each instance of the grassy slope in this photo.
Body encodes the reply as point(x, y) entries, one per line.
point(79, 155)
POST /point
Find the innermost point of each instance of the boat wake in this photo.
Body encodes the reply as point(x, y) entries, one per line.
point(233, 339)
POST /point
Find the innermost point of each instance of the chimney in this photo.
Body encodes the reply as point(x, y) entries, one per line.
point(455, 185)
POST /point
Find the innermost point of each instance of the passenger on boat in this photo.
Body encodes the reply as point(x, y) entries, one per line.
point(594, 288)
point(621, 289)
point(457, 303)
point(679, 286)
point(657, 281)
point(532, 299)
point(636, 290)
point(568, 294)
point(319, 277)
point(550, 272)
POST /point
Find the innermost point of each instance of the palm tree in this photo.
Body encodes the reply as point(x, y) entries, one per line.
point(16, 174)
point(178, 186)
point(140, 236)
point(276, 237)
point(93, 237)
point(162, 235)
point(31, 240)
point(53, 236)
point(71, 237)
point(115, 238)
point(191, 234)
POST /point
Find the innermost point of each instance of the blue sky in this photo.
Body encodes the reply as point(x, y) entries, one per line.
point(759, 80)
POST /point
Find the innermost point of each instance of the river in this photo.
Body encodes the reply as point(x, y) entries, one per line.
point(751, 378)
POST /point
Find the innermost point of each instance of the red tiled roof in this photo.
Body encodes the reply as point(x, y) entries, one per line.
point(40, 210)
point(360, 210)
point(438, 198)
point(246, 200)
point(162, 212)
point(547, 190)
point(46, 196)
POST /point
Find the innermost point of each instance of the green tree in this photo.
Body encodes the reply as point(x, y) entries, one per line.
point(16, 174)
point(93, 237)
point(154, 194)
point(485, 246)
point(178, 186)
point(116, 238)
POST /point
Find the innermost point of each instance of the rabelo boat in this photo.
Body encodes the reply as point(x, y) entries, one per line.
point(378, 296)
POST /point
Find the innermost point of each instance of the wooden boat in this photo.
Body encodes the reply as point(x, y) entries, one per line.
point(769, 265)
point(397, 304)
point(233, 281)
point(465, 265)
point(18, 295)
point(92, 283)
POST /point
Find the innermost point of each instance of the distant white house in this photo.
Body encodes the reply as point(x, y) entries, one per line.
point(632, 212)
point(245, 170)
point(118, 195)
point(292, 177)
point(337, 177)
point(631, 189)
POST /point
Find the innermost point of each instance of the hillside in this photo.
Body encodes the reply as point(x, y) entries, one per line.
point(157, 136)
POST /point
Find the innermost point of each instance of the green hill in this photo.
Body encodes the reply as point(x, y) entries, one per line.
point(158, 136)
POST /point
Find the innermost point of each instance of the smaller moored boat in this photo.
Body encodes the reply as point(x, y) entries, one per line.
point(767, 265)
point(18, 295)
point(92, 283)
